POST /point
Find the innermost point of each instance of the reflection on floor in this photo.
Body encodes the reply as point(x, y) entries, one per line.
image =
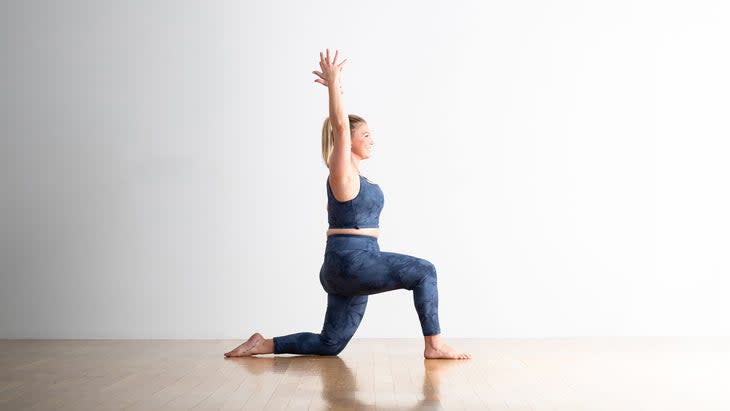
point(384, 374)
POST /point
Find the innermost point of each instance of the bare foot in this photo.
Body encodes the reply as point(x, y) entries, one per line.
point(248, 348)
point(445, 352)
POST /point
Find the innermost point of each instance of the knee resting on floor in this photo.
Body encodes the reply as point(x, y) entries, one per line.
point(332, 346)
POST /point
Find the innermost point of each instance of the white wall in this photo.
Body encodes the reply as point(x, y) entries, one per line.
point(563, 165)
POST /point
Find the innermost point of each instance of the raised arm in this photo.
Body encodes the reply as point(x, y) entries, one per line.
point(340, 164)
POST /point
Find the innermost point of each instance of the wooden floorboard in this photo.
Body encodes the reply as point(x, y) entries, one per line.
point(612, 373)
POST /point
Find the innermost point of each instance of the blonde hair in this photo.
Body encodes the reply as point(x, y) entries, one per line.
point(328, 136)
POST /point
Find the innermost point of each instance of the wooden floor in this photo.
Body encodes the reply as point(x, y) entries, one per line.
point(689, 374)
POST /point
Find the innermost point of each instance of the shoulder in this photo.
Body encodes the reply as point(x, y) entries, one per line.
point(344, 188)
point(335, 180)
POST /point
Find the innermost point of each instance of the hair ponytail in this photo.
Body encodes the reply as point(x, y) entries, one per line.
point(328, 136)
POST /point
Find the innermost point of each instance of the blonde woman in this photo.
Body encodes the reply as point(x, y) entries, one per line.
point(354, 267)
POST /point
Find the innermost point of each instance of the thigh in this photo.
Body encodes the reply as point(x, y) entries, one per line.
point(361, 272)
point(407, 269)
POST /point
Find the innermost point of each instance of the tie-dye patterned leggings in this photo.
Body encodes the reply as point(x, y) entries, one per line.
point(353, 268)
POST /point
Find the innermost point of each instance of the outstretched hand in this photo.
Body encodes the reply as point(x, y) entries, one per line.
point(330, 74)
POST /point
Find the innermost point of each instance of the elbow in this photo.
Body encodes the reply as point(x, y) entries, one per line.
point(340, 126)
point(341, 134)
point(340, 122)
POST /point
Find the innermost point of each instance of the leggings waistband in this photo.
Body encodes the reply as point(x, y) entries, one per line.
point(341, 242)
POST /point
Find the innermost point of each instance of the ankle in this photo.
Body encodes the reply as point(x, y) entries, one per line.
point(267, 346)
point(432, 341)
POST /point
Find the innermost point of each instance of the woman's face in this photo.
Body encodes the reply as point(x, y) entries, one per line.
point(362, 141)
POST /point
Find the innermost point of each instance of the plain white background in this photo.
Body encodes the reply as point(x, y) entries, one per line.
point(563, 164)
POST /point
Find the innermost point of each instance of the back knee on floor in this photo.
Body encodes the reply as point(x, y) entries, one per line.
point(333, 347)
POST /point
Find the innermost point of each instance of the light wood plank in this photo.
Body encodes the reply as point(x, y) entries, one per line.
point(640, 373)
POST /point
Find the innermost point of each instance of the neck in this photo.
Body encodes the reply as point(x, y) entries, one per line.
point(356, 163)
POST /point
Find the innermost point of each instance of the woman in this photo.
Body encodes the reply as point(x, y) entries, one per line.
point(354, 267)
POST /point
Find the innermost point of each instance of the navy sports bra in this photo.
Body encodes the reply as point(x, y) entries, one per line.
point(363, 211)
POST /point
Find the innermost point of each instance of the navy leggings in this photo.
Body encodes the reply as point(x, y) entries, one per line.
point(353, 268)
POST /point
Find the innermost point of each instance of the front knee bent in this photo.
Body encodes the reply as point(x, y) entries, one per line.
point(429, 268)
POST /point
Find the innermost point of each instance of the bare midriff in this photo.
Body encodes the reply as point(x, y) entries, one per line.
point(373, 232)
